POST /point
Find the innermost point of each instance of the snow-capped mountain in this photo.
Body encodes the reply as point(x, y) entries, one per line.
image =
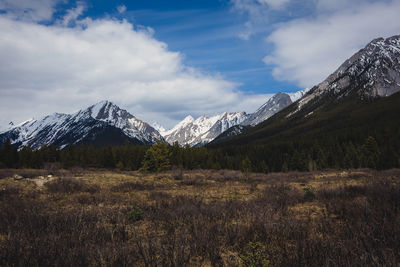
point(359, 101)
point(372, 72)
point(272, 106)
point(122, 119)
point(204, 129)
point(97, 121)
point(195, 132)
point(158, 127)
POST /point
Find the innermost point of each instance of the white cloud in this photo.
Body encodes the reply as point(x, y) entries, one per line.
point(257, 12)
point(121, 9)
point(308, 50)
point(45, 69)
point(73, 14)
point(31, 10)
point(274, 4)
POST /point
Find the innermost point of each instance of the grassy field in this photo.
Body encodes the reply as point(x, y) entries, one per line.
point(199, 218)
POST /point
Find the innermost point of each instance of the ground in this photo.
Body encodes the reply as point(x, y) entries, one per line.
point(199, 218)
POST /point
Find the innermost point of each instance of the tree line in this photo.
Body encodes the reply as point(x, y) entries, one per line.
point(278, 157)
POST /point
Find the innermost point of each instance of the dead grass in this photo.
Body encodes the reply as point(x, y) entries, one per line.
point(199, 218)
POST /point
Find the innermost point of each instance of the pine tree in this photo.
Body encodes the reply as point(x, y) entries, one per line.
point(245, 167)
point(157, 158)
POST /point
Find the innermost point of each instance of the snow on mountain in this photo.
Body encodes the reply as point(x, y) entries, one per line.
point(299, 94)
point(158, 127)
point(200, 131)
point(272, 106)
point(122, 119)
point(204, 129)
point(62, 129)
point(374, 71)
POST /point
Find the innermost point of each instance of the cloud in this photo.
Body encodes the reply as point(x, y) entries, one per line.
point(73, 14)
point(257, 12)
point(121, 9)
point(274, 4)
point(37, 10)
point(307, 50)
point(48, 68)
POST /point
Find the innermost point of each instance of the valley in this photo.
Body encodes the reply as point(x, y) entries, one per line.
point(199, 218)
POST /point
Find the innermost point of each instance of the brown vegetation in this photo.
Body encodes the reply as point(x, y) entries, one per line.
point(200, 218)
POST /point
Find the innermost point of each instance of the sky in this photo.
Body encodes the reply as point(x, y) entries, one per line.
point(163, 60)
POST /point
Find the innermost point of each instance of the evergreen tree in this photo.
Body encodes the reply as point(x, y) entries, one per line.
point(157, 158)
point(245, 167)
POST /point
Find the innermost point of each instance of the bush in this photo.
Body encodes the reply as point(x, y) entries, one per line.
point(254, 256)
point(309, 194)
point(135, 213)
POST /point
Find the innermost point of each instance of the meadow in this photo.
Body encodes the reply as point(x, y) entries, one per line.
point(94, 217)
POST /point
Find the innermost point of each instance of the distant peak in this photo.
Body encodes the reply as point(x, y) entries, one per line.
point(188, 119)
point(158, 127)
point(377, 40)
point(104, 103)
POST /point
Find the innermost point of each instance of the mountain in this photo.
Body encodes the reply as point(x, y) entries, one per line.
point(231, 132)
point(372, 72)
point(272, 106)
point(202, 130)
point(158, 127)
point(101, 124)
point(360, 99)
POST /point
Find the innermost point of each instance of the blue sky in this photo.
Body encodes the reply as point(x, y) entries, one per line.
point(207, 34)
point(164, 60)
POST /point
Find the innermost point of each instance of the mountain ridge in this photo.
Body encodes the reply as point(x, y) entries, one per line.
point(203, 130)
point(62, 129)
point(361, 83)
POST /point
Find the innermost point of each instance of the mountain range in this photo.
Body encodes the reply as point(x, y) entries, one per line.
point(200, 131)
point(107, 124)
point(368, 76)
point(359, 100)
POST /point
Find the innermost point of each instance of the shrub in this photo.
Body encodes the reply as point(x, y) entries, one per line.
point(309, 194)
point(254, 255)
point(135, 213)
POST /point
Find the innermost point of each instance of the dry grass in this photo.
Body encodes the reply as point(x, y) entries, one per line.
point(199, 218)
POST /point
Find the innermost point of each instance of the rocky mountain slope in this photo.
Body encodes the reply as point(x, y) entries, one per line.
point(103, 121)
point(272, 106)
point(372, 72)
point(356, 101)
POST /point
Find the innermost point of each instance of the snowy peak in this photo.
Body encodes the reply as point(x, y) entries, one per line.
point(62, 129)
point(188, 119)
point(158, 127)
point(204, 129)
point(372, 72)
point(272, 106)
point(107, 111)
point(110, 113)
